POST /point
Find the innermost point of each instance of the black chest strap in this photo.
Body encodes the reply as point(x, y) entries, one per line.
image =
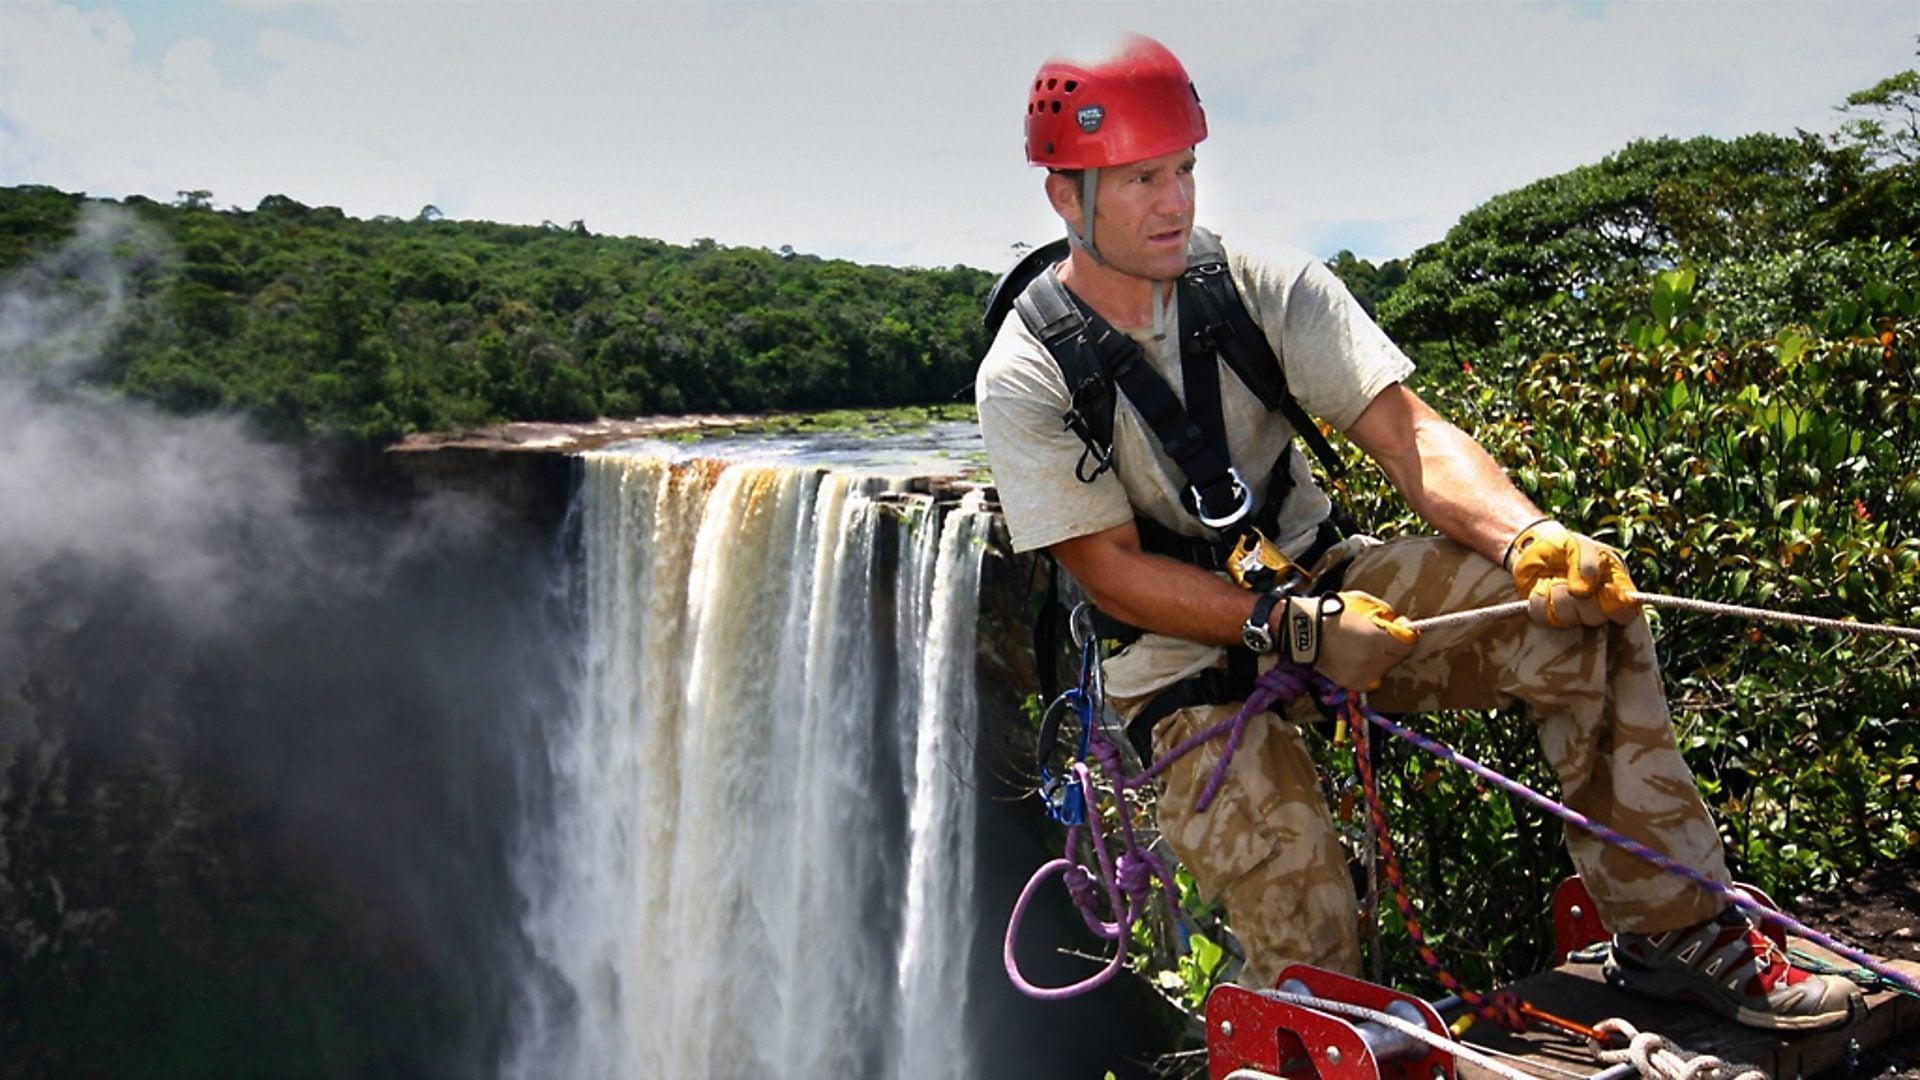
point(1096, 360)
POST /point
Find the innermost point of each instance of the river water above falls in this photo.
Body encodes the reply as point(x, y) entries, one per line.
point(944, 448)
point(761, 854)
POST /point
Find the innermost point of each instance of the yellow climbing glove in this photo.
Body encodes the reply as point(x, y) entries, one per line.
point(1352, 637)
point(1568, 579)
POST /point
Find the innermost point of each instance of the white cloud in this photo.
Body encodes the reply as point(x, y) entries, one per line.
point(888, 132)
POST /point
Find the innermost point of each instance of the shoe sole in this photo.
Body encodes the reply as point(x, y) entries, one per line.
point(1674, 987)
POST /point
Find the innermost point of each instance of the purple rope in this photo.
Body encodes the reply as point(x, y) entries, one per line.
point(1118, 931)
point(1336, 697)
point(1137, 866)
point(1281, 682)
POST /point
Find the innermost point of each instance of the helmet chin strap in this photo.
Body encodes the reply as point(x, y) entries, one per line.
point(1162, 311)
point(1082, 238)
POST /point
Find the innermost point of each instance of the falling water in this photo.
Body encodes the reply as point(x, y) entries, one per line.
point(760, 860)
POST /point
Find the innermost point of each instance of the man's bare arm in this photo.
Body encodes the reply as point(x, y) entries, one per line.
point(1443, 473)
point(1153, 592)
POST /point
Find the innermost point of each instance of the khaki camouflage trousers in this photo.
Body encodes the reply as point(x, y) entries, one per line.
point(1267, 848)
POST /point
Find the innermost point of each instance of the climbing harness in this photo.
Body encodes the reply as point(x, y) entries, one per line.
point(1098, 363)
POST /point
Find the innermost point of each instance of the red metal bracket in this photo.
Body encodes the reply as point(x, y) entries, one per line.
point(1247, 1031)
point(1576, 919)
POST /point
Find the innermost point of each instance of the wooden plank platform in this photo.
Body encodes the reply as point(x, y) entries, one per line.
point(1577, 992)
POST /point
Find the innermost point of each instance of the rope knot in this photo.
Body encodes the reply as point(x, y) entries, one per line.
point(1081, 888)
point(1503, 1008)
point(1134, 875)
point(1285, 681)
point(1107, 755)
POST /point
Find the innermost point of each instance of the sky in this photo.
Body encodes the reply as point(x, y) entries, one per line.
point(889, 132)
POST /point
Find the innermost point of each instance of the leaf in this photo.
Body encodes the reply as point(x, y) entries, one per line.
point(1789, 347)
point(1205, 953)
point(1663, 303)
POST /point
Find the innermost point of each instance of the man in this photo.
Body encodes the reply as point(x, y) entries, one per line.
point(1116, 129)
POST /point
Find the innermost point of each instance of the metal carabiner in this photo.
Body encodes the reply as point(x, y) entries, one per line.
point(1065, 803)
point(1241, 491)
point(1080, 623)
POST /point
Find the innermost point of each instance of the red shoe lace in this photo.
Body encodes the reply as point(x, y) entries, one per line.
point(1774, 968)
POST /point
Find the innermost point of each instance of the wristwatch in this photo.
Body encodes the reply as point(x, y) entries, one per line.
point(1256, 634)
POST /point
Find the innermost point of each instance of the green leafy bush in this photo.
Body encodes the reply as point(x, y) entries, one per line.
point(1780, 470)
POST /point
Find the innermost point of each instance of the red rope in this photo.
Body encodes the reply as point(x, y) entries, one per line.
point(1502, 1007)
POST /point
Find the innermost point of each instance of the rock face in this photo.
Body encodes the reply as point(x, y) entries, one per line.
point(288, 834)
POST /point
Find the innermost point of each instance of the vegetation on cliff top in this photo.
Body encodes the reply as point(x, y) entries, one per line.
point(311, 320)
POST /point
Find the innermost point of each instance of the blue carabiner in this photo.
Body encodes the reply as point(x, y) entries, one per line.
point(1065, 803)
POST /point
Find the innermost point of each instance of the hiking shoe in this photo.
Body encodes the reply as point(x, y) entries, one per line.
point(1729, 966)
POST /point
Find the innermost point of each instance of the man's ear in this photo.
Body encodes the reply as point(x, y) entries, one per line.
point(1063, 191)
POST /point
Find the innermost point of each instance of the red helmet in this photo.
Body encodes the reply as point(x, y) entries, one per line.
point(1126, 102)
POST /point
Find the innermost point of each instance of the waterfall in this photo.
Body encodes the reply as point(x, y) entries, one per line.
point(759, 861)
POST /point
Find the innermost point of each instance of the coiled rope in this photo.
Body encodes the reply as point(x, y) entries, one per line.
point(1128, 881)
point(1658, 1057)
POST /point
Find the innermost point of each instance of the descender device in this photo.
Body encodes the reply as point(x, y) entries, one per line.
point(1315, 1023)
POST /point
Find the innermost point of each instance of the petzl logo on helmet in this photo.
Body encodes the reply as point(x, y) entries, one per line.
point(1090, 117)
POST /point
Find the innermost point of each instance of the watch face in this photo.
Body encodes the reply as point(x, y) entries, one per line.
point(1257, 638)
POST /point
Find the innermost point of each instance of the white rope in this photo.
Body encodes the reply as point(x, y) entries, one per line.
point(1659, 1059)
point(1416, 1031)
point(1683, 603)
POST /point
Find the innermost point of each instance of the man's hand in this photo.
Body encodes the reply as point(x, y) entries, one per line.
point(1352, 638)
point(1568, 579)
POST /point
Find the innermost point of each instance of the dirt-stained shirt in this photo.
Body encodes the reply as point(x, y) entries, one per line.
point(1336, 359)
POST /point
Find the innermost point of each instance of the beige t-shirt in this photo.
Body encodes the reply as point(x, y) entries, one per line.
point(1336, 362)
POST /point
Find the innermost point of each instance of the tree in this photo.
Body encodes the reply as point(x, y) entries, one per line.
point(1651, 206)
point(1885, 120)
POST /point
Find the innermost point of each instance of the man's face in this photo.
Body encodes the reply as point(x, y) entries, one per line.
point(1144, 213)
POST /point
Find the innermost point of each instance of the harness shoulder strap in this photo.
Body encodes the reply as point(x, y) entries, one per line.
point(1223, 322)
point(1054, 317)
point(1095, 359)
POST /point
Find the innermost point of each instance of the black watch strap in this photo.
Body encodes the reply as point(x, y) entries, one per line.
point(1263, 608)
point(1258, 633)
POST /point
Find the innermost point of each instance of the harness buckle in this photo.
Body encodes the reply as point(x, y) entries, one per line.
point(1239, 513)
